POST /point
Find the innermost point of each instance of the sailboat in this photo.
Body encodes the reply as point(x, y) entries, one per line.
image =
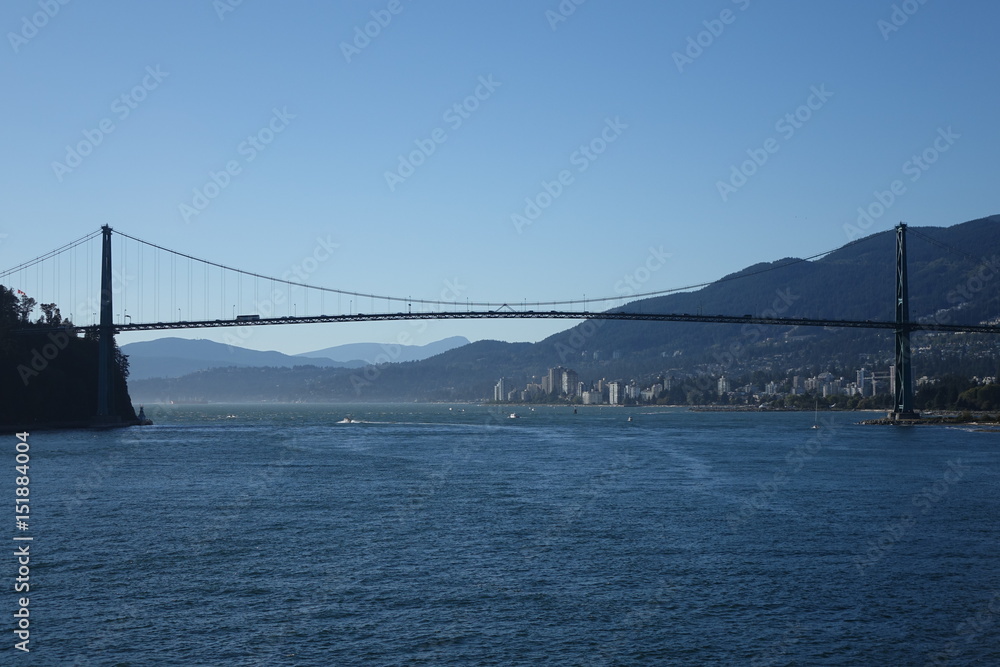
point(816, 417)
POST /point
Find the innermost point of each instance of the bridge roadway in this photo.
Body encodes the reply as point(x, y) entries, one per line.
point(552, 315)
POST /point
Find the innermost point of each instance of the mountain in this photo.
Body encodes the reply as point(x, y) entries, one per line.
point(856, 281)
point(372, 353)
point(174, 357)
point(953, 274)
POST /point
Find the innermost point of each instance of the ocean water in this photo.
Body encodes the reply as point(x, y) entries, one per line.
point(453, 535)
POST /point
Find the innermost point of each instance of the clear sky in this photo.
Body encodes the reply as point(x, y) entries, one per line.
point(709, 135)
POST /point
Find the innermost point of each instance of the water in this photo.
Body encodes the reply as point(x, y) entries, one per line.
point(448, 535)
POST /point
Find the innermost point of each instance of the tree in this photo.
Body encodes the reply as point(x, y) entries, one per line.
point(24, 308)
point(9, 312)
point(50, 314)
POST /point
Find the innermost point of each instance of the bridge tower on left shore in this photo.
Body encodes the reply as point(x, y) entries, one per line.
point(106, 340)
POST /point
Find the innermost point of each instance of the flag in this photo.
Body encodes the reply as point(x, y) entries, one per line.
point(20, 292)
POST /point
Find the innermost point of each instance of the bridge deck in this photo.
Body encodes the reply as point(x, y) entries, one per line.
point(553, 315)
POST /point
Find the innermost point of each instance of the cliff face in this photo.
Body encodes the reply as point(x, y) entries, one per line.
point(48, 378)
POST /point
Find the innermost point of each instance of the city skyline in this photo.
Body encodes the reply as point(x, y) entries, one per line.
point(632, 391)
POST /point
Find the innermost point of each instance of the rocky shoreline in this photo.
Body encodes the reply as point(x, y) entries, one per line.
point(964, 419)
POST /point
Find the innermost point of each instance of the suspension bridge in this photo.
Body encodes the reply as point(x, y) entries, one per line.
point(153, 283)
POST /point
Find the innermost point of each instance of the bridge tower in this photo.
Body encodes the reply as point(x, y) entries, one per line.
point(106, 339)
point(903, 389)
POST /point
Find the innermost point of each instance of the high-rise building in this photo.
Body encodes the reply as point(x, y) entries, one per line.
point(614, 393)
point(555, 378)
point(500, 391)
point(569, 382)
point(723, 385)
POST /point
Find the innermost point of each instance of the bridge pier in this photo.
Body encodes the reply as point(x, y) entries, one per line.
point(903, 390)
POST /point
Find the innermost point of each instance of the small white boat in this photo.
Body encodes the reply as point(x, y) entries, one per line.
point(348, 420)
point(630, 417)
point(513, 415)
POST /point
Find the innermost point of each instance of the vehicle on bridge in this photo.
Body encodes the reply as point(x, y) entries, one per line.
point(247, 318)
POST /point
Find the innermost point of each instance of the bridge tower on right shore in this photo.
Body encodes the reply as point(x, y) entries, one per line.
point(902, 391)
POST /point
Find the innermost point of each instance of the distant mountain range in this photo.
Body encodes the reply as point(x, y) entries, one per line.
point(954, 276)
point(371, 353)
point(175, 357)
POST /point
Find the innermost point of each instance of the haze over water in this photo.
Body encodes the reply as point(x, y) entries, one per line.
point(432, 534)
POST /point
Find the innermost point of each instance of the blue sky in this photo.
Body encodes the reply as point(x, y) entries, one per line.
point(673, 100)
